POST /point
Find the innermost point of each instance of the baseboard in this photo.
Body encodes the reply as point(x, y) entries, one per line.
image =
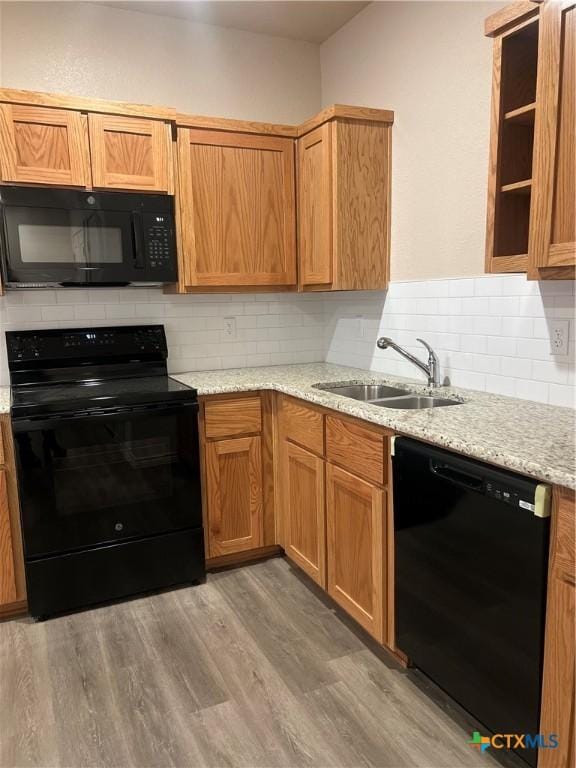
point(238, 558)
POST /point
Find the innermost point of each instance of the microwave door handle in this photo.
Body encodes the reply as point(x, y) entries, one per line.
point(97, 220)
point(138, 239)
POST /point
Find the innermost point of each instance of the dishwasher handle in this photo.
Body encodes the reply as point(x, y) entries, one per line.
point(456, 476)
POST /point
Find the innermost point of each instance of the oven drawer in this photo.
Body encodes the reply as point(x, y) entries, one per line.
point(66, 582)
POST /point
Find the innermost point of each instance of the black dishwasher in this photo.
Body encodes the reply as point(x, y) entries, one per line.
point(471, 555)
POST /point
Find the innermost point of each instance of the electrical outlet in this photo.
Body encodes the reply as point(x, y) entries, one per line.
point(230, 327)
point(361, 326)
point(559, 337)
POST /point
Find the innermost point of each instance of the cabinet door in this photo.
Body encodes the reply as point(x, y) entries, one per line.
point(7, 578)
point(129, 153)
point(315, 207)
point(43, 146)
point(552, 239)
point(356, 548)
point(237, 209)
point(234, 495)
point(558, 689)
point(303, 478)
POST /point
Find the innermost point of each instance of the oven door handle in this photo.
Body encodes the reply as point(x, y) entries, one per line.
point(35, 423)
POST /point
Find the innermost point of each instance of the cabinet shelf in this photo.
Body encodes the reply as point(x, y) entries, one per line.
point(518, 188)
point(523, 115)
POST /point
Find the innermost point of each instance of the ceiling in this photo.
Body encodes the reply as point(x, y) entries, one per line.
point(299, 19)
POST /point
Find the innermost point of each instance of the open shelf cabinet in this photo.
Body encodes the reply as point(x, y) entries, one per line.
point(512, 147)
point(531, 220)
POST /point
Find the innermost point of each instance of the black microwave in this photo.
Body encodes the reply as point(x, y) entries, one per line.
point(66, 237)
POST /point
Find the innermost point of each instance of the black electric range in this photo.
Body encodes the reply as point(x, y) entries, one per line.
point(108, 469)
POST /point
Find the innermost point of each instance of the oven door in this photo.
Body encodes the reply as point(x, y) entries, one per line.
point(88, 480)
point(68, 246)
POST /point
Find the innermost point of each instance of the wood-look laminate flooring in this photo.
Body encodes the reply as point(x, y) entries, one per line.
point(250, 669)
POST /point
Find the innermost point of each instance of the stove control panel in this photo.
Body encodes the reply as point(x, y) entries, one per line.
point(86, 344)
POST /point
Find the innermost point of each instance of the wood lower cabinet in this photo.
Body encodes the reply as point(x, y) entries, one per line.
point(304, 510)
point(234, 495)
point(40, 145)
point(130, 153)
point(238, 477)
point(7, 576)
point(237, 209)
point(12, 580)
point(356, 551)
point(334, 507)
point(558, 690)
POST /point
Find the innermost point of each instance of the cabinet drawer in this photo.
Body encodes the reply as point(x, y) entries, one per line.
point(302, 425)
point(360, 450)
point(565, 538)
point(227, 418)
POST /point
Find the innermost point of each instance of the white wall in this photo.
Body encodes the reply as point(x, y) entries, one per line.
point(430, 62)
point(87, 49)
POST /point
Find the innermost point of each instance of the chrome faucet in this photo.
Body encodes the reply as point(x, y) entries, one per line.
point(432, 370)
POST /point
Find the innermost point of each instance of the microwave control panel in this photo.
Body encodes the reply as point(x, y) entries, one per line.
point(159, 240)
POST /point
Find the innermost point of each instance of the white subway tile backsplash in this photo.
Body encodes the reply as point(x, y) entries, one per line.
point(501, 385)
point(119, 311)
point(516, 367)
point(532, 390)
point(514, 327)
point(53, 314)
point(550, 371)
point(265, 323)
point(503, 306)
point(90, 311)
point(24, 314)
point(562, 394)
point(492, 326)
point(491, 332)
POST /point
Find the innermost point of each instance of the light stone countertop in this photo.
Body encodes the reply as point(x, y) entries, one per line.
point(5, 400)
point(527, 437)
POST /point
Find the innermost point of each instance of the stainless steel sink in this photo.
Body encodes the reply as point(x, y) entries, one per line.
point(415, 402)
point(365, 392)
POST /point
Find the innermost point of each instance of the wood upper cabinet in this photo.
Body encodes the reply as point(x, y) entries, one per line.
point(558, 688)
point(315, 207)
point(304, 510)
point(552, 237)
point(130, 153)
point(8, 592)
point(40, 145)
point(531, 183)
point(237, 209)
point(234, 495)
point(344, 202)
point(355, 513)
